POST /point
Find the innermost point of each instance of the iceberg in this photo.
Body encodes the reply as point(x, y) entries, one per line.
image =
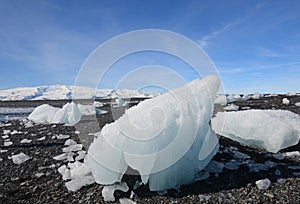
point(166, 139)
point(257, 128)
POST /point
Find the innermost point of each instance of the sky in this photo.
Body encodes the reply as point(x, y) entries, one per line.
point(255, 45)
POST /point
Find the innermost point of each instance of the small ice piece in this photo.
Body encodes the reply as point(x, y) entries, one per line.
point(232, 165)
point(15, 132)
point(101, 112)
point(137, 185)
point(161, 193)
point(297, 104)
point(28, 124)
point(25, 141)
point(256, 128)
point(294, 167)
point(214, 167)
point(256, 96)
point(1, 159)
point(98, 104)
point(69, 142)
point(72, 148)
point(41, 138)
point(281, 180)
point(65, 172)
point(279, 156)
point(3, 150)
point(257, 167)
point(270, 164)
point(65, 156)
point(78, 182)
point(240, 156)
point(108, 191)
point(296, 174)
point(6, 132)
point(285, 101)
point(7, 143)
point(81, 155)
point(77, 132)
point(5, 136)
point(246, 108)
point(38, 175)
point(292, 154)
point(62, 137)
point(231, 107)
point(126, 201)
point(263, 184)
point(20, 158)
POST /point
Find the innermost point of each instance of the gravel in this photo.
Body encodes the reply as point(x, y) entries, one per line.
point(38, 181)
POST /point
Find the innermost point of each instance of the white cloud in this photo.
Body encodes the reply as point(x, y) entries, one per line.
point(203, 42)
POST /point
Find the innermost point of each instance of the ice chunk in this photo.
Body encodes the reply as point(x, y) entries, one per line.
point(43, 114)
point(215, 167)
point(297, 104)
point(81, 155)
point(98, 104)
point(69, 114)
point(65, 156)
point(69, 142)
point(285, 101)
point(108, 191)
point(6, 132)
point(256, 128)
point(61, 137)
point(41, 138)
point(176, 123)
point(25, 141)
point(126, 201)
point(263, 184)
point(256, 96)
point(7, 143)
point(292, 154)
point(231, 107)
point(20, 158)
point(65, 172)
point(78, 182)
point(15, 132)
point(73, 148)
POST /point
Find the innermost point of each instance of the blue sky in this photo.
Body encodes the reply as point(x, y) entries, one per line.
point(254, 44)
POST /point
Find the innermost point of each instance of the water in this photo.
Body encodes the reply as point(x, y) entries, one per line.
point(14, 113)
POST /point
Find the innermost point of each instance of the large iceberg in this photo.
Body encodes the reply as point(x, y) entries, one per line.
point(269, 129)
point(167, 139)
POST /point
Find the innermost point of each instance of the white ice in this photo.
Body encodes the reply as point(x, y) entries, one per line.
point(20, 158)
point(108, 191)
point(297, 104)
point(269, 129)
point(263, 184)
point(25, 141)
point(176, 123)
point(126, 201)
point(285, 101)
point(231, 107)
point(7, 143)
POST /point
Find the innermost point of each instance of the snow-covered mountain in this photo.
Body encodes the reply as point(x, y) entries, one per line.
point(57, 92)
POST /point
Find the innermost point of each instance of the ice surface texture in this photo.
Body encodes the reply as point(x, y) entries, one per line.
point(269, 129)
point(167, 139)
